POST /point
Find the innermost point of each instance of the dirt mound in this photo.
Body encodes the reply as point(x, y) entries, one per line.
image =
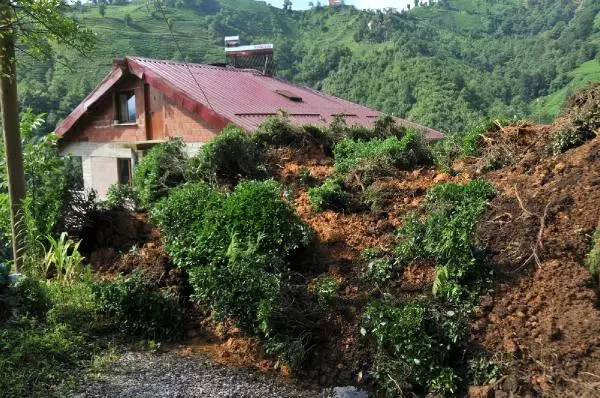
point(538, 231)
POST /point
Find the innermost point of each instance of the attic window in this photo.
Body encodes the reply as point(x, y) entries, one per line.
point(126, 107)
point(289, 95)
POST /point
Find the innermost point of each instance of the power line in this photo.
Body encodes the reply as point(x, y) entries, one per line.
point(157, 3)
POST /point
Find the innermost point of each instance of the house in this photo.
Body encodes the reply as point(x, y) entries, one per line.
point(142, 102)
point(334, 3)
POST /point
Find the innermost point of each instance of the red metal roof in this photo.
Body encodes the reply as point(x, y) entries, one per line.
point(242, 97)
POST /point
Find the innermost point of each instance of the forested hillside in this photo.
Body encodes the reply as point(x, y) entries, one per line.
point(445, 65)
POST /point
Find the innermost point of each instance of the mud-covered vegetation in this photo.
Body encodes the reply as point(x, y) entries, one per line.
point(337, 253)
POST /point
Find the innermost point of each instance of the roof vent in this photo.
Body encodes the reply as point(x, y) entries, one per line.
point(289, 95)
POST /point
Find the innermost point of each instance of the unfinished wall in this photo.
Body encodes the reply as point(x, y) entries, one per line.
point(157, 119)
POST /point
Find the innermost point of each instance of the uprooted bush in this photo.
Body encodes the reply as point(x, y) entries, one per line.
point(235, 248)
point(229, 157)
point(329, 195)
point(418, 342)
point(446, 233)
point(161, 169)
point(368, 160)
point(580, 120)
point(469, 143)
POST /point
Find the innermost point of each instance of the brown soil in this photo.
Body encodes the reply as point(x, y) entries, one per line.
point(538, 230)
point(541, 317)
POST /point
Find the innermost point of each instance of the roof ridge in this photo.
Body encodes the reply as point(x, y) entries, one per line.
point(193, 65)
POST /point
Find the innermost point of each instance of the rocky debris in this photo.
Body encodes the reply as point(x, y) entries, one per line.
point(137, 374)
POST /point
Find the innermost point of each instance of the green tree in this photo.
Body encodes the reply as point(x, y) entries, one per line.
point(287, 5)
point(33, 23)
point(102, 8)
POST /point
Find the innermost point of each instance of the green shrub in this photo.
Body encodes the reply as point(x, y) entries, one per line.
point(482, 371)
point(160, 170)
point(324, 289)
point(580, 119)
point(39, 356)
point(593, 258)
point(134, 308)
point(122, 196)
point(374, 197)
point(379, 270)
point(229, 157)
point(375, 158)
point(31, 297)
point(278, 132)
point(568, 138)
point(446, 235)
point(471, 141)
point(234, 247)
point(330, 195)
point(416, 344)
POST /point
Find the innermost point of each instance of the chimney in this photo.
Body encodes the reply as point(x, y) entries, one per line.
point(256, 56)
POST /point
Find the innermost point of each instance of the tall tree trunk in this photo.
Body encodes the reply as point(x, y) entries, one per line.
point(10, 126)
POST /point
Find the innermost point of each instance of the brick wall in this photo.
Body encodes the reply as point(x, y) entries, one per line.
point(99, 125)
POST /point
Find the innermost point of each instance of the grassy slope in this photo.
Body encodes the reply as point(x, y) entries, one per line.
point(200, 41)
point(551, 105)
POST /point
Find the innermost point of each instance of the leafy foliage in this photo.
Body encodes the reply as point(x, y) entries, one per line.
point(136, 309)
point(324, 289)
point(45, 180)
point(31, 297)
point(376, 158)
point(123, 196)
point(229, 157)
point(234, 247)
point(161, 169)
point(482, 371)
point(593, 257)
point(63, 259)
point(446, 234)
point(329, 195)
point(416, 344)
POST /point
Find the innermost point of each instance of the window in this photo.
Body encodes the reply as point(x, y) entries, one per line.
point(124, 170)
point(126, 107)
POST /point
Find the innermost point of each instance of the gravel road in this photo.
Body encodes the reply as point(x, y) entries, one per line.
point(137, 374)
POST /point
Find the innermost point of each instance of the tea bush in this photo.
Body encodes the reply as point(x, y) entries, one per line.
point(445, 235)
point(229, 157)
point(375, 158)
point(161, 169)
point(122, 196)
point(135, 309)
point(593, 258)
point(278, 132)
point(234, 247)
point(330, 195)
point(416, 345)
point(580, 119)
point(568, 138)
point(324, 289)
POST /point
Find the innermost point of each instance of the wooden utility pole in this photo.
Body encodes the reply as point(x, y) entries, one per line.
point(10, 128)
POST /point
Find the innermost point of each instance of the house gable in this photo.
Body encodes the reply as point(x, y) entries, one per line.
point(157, 118)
